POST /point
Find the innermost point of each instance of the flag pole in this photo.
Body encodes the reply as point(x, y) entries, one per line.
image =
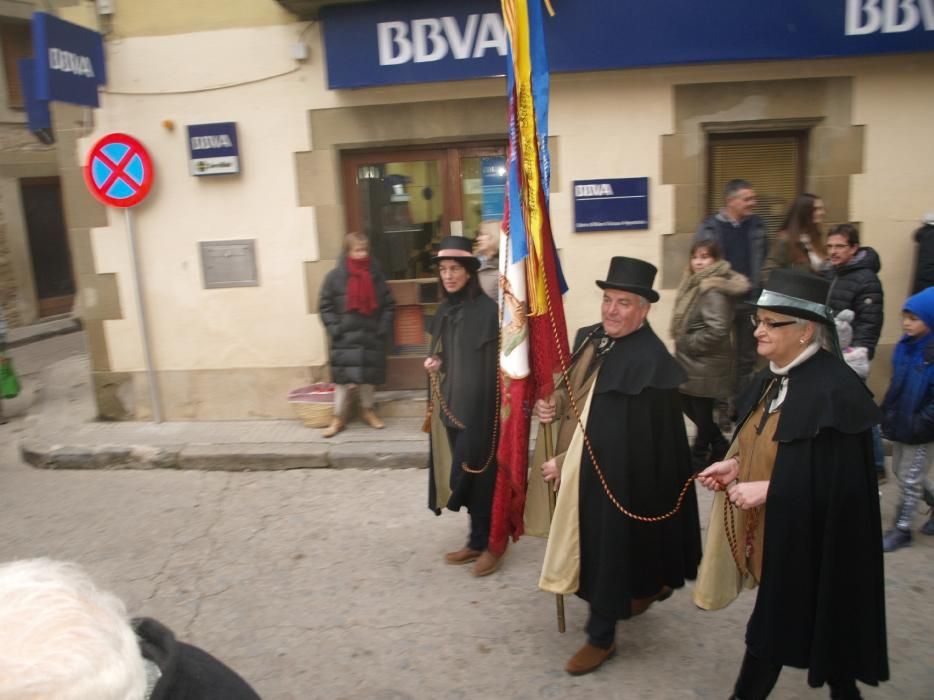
point(552, 497)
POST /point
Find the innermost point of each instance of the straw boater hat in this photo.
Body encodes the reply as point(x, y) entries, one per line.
point(798, 294)
point(631, 275)
point(459, 249)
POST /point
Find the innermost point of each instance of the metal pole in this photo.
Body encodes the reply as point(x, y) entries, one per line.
point(549, 453)
point(144, 330)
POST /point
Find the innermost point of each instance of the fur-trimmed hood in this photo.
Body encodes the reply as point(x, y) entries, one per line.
point(731, 283)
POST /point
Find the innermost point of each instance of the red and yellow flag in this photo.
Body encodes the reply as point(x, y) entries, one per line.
point(534, 333)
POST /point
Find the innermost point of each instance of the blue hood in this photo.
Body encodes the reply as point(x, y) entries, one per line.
point(922, 306)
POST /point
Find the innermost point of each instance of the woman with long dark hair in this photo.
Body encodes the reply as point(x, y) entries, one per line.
point(462, 366)
point(800, 243)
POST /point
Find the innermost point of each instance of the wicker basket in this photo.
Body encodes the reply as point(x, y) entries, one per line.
point(314, 404)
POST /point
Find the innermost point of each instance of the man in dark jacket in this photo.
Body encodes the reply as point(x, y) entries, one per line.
point(67, 637)
point(854, 284)
point(924, 260)
point(742, 239)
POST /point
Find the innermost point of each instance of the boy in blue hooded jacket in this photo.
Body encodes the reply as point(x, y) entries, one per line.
point(908, 416)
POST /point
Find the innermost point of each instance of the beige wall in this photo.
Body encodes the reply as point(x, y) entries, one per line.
point(288, 197)
point(132, 18)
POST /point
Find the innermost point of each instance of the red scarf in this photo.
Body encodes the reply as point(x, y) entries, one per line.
point(361, 297)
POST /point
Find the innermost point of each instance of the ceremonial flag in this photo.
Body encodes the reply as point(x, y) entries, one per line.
point(534, 333)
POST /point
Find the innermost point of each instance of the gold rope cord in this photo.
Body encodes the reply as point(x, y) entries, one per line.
point(593, 458)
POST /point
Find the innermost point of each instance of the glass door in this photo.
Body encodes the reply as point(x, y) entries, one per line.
point(406, 201)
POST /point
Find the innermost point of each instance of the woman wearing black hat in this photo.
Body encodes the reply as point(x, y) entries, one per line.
point(798, 512)
point(462, 366)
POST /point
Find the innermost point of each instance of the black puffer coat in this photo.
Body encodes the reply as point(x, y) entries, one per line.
point(358, 343)
point(856, 286)
point(924, 263)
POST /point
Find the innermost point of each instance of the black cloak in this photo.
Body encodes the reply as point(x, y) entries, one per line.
point(821, 603)
point(468, 330)
point(188, 673)
point(637, 431)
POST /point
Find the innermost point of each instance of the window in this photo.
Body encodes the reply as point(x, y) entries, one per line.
point(773, 162)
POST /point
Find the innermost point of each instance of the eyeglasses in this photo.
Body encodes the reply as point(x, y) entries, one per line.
point(770, 325)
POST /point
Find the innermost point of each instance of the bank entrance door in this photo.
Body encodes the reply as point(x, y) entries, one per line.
point(406, 201)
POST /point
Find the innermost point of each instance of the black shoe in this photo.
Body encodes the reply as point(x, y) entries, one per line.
point(896, 538)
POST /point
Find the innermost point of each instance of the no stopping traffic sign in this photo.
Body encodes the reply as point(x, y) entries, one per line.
point(119, 171)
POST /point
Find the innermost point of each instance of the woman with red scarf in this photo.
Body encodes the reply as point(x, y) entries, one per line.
point(356, 308)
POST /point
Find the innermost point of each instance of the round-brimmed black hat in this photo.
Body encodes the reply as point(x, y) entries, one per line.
point(631, 275)
point(798, 294)
point(459, 249)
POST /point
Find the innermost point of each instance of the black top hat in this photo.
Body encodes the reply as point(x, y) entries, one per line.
point(631, 275)
point(459, 249)
point(798, 294)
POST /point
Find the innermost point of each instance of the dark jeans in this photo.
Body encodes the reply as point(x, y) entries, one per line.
point(758, 677)
point(699, 409)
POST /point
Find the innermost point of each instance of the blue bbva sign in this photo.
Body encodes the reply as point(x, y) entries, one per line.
point(213, 148)
point(69, 61)
point(415, 41)
point(620, 204)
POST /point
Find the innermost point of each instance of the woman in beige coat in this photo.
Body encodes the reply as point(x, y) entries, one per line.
point(700, 326)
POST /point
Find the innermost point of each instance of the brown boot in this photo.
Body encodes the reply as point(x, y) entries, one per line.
point(465, 555)
point(588, 658)
point(371, 419)
point(486, 564)
point(336, 426)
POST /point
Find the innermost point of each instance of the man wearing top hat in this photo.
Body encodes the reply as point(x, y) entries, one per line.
point(628, 450)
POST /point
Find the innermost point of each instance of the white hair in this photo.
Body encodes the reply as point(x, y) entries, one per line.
point(62, 638)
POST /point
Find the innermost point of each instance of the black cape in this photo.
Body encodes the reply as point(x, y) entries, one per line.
point(188, 673)
point(468, 330)
point(637, 431)
point(821, 602)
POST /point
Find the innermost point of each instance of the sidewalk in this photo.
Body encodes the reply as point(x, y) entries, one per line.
point(61, 433)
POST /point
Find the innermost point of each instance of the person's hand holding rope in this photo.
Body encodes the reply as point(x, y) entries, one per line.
point(432, 364)
point(719, 475)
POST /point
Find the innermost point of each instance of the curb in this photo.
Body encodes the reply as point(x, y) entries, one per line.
point(240, 457)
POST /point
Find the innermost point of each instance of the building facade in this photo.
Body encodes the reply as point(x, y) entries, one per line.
point(339, 128)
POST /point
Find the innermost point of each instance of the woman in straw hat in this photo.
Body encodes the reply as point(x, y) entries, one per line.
point(797, 508)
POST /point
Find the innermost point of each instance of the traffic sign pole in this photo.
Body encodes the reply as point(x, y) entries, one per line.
point(143, 324)
point(119, 173)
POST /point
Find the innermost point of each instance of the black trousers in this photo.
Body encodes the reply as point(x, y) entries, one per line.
point(479, 532)
point(745, 345)
point(758, 677)
point(699, 409)
point(601, 630)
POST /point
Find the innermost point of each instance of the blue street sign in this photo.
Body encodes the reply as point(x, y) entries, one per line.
point(69, 61)
point(620, 204)
point(213, 148)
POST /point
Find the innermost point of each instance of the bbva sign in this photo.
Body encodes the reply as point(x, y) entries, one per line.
point(888, 16)
point(433, 38)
